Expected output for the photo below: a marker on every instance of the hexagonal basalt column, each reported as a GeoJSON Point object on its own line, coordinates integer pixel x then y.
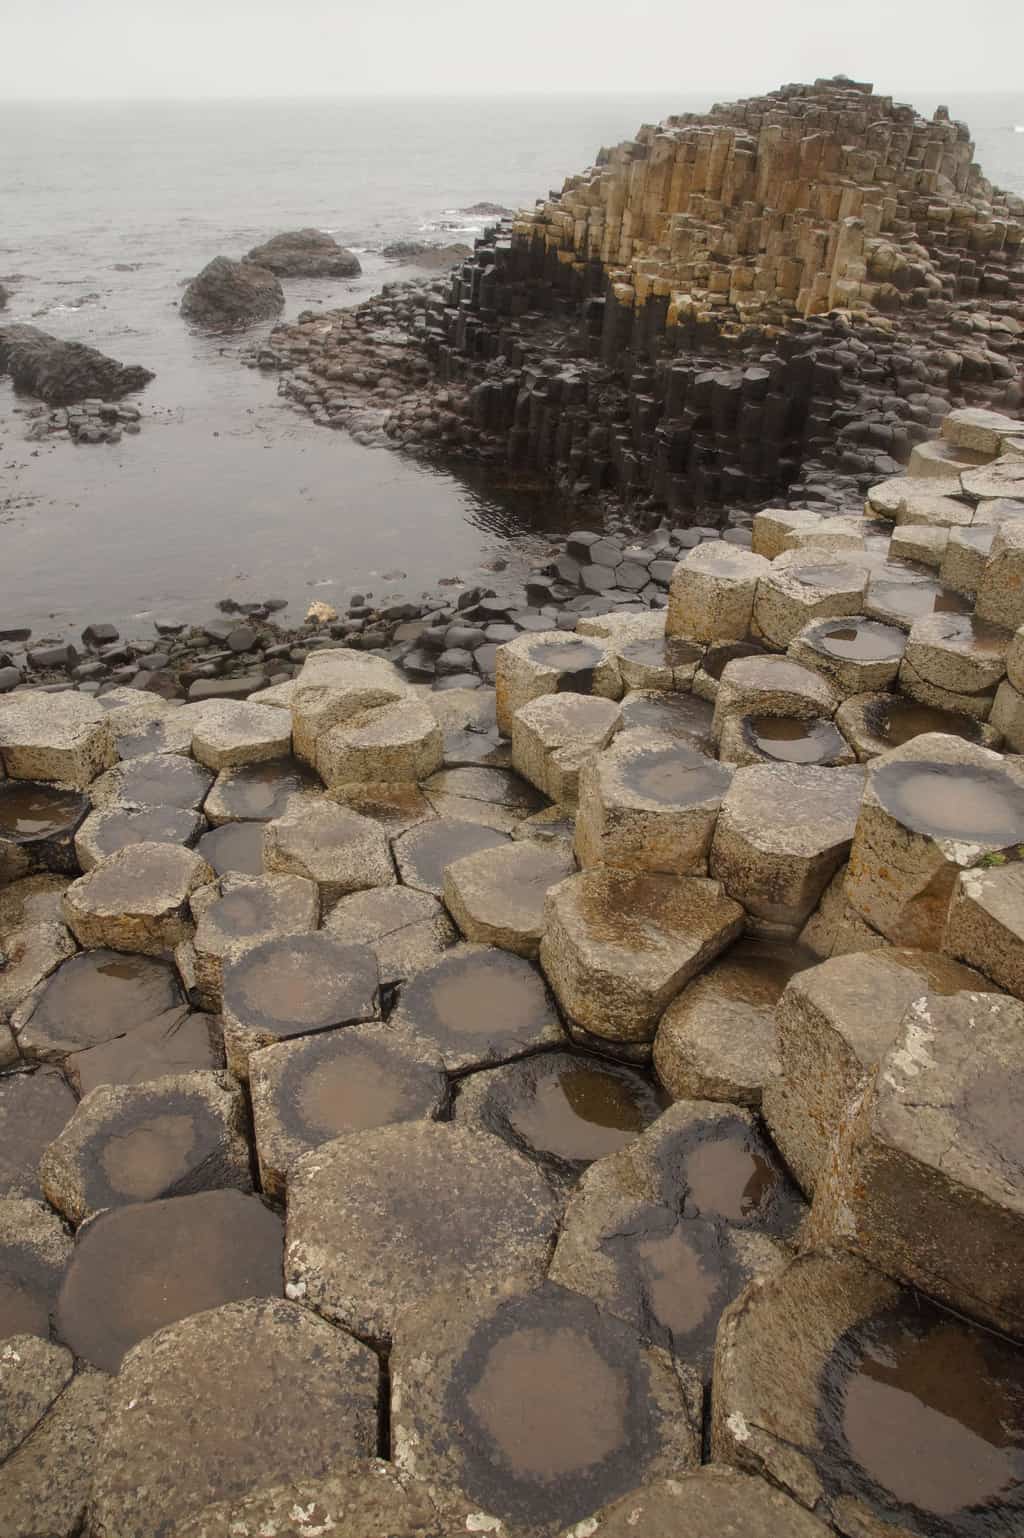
{"type": "Point", "coordinates": [856, 655]}
{"type": "Point", "coordinates": [561, 1109]}
{"type": "Point", "coordinates": [1004, 477]}
{"type": "Point", "coordinates": [334, 686]}
{"type": "Point", "coordinates": [665, 1233]}
{"type": "Point", "coordinates": [964, 558]}
{"type": "Point", "coordinates": [710, 1500]}
{"type": "Point", "coordinates": [877, 723]}
{"type": "Point", "coordinates": [552, 662]}
{"type": "Point", "coordinates": [258, 792]}
{"type": "Point", "coordinates": [920, 543]}
{"type": "Point", "coordinates": [513, 1372]}
{"type": "Point", "coordinates": [390, 743]}
{"type": "Point", "coordinates": [139, 1267]}
{"type": "Point", "coordinates": [933, 1149]}
{"type": "Point", "coordinates": [497, 895]}
{"type": "Point", "coordinates": [783, 740]}
{"type": "Point", "coordinates": [553, 737]}
{"type": "Point", "coordinates": [38, 824]}
{"type": "Point", "coordinates": [137, 899]}
{"type": "Point", "coordinates": [647, 803]}
{"type": "Point", "coordinates": [899, 595]}
{"type": "Point", "coordinates": [424, 853]}
{"type": "Point", "coordinates": [241, 912]}
{"type": "Point", "coordinates": [249, 1394]}
{"type": "Point", "coordinates": [663, 662]}
{"type": "Point", "coordinates": [931, 809]}
{"type": "Point", "coordinates": [34, 1107]}
{"type": "Point", "coordinates": [308, 1092]}
{"type": "Point", "coordinates": [136, 1143]}
{"type": "Point", "coordinates": [684, 717]}
{"type": "Point", "coordinates": [835, 1022]}
{"type": "Point", "coordinates": [92, 999]}
{"type": "Point", "coordinates": [62, 737]}
{"type": "Point", "coordinates": [34, 1252]}
{"type": "Point", "coordinates": [338, 849]}
{"type": "Point", "coordinates": [803, 587]}
{"type": "Point", "coordinates": [954, 662]}
{"type": "Point", "coordinates": [618, 946]}
{"type": "Point", "coordinates": [712, 593]}
{"type": "Point", "coordinates": [916, 499]}
{"type": "Point", "coordinates": [381, 1220]}
{"type": "Point", "coordinates": [240, 733]}
{"type": "Point", "coordinates": [985, 927]}
{"type": "Point", "coordinates": [295, 985]}
{"type": "Point", "coordinates": [881, 1411]}
{"type": "Point", "coordinates": [708, 677]}
{"type": "Point", "coordinates": [783, 831]}
{"type": "Point", "coordinates": [406, 929]}
{"type": "Point", "coordinates": [153, 779]}
{"type": "Point", "coordinates": [772, 686]}
{"type": "Point", "coordinates": [1001, 587]}
{"type": "Point", "coordinates": [479, 1006]}
{"type": "Point", "coordinates": [717, 1040]}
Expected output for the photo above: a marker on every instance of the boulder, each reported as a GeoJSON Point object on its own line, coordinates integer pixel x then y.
{"type": "Point", "coordinates": [227, 295]}
{"type": "Point", "coordinates": [305, 253]}
{"type": "Point", "coordinates": [60, 372]}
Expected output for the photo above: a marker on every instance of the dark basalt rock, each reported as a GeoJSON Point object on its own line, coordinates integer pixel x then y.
{"type": "Point", "coordinates": [61, 372]}
{"type": "Point", "coordinates": [227, 295]}
{"type": "Point", "coordinates": [305, 253]}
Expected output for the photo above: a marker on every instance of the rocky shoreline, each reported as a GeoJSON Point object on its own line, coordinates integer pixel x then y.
{"type": "Point", "coordinates": [543, 1058]}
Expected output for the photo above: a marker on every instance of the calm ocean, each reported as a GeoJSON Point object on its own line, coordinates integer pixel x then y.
{"type": "Point", "coordinates": [105, 209]}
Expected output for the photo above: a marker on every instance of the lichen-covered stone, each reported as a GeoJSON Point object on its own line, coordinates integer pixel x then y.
{"type": "Point", "coordinates": [647, 803]}
{"type": "Point", "coordinates": [772, 686]}
{"type": "Point", "coordinates": [552, 662]}
{"type": "Point", "coordinates": [244, 911]}
{"type": "Point", "coordinates": [239, 732]}
{"type": "Point", "coordinates": [424, 853]}
{"type": "Point", "coordinates": [240, 1396]}
{"type": "Point", "coordinates": [714, 1500]}
{"type": "Point", "coordinates": [62, 737]}
{"type": "Point", "coordinates": [802, 587]}
{"type": "Point", "coordinates": [106, 831]}
{"type": "Point", "coordinates": [137, 899]}
{"type": "Point", "coordinates": [45, 1483]}
{"type": "Point", "coordinates": [34, 1253]}
{"type": "Point", "coordinates": [340, 850]}
{"type": "Point", "coordinates": [856, 655]}
{"type": "Point", "coordinates": [712, 592]}
{"type": "Point", "coordinates": [386, 744]}
{"type": "Point", "coordinates": [930, 809]}
{"type": "Point", "coordinates": [783, 831]}
{"type": "Point", "coordinates": [405, 929]}
{"type": "Point", "coordinates": [34, 1107]}
{"type": "Point", "coordinates": [554, 735]}
{"type": "Point", "coordinates": [497, 896]}
{"type": "Point", "coordinates": [835, 1022]}
{"type": "Point", "coordinates": [618, 946]}
{"type": "Point", "coordinates": [985, 924]}
{"type": "Point", "coordinates": [381, 1220]}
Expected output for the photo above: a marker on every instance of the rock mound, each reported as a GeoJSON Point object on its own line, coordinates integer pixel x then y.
{"type": "Point", "coordinates": [305, 254]}
{"type": "Point", "coordinates": [228, 294]}
{"type": "Point", "coordinates": [423, 254]}
{"type": "Point", "coordinates": [61, 372]}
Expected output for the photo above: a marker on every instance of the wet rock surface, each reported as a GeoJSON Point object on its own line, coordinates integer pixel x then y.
{"type": "Point", "coordinates": [94, 998]}
{"type": "Point", "coordinates": [510, 1373]}
{"type": "Point", "coordinates": [307, 253]}
{"type": "Point", "coordinates": [228, 295]}
{"type": "Point", "coordinates": [61, 372]}
{"type": "Point", "coordinates": [145, 1265]}
{"type": "Point", "coordinates": [381, 1220]}
{"type": "Point", "coordinates": [289, 1399]}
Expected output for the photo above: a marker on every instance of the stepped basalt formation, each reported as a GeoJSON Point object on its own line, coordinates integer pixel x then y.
{"type": "Point", "coordinates": [783, 295]}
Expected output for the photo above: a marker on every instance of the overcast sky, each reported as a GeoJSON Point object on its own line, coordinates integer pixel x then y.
{"type": "Point", "coordinates": [190, 48]}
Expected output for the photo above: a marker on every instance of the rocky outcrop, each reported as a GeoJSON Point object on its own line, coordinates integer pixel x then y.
{"type": "Point", "coordinates": [61, 372]}
{"type": "Point", "coordinates": [305, 254]}
{"type": "Point", "coordinates": [421, 253]}
{"type": "Point", "coordinates": [780, 297]}
{"type": "Point", "coordinates": [228, 295]}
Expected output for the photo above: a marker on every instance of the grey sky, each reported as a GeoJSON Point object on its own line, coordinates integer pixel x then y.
{"type": "Point", "coordinates": [104, 48]}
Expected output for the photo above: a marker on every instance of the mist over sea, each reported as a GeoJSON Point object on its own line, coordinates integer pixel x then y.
{"type": "Point", "coordinates": [106, 208]}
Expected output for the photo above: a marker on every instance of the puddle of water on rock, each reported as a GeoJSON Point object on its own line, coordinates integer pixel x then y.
{"type": "Point", "coordinates": [140, 1267]}
{"type": "Point", "coordinates": [34, 811]}
{"type": "Point", "coordinates": [671, 652]}
{"type": "Point", "coordinates": [480, 996]}
{"type": "Point", "coordinates": [838, 575]}
{"type": "Point", "coordinates": [901, 721]}
{"type": "Point", "coordinates": [795, 742]}
{"type": "Point", "coordinates": [140, 1163]}
{"type": "Point", "coordinates": [101, 994]}
{"type": "Point", "coordinates": [236, 847]}
{"type": "Point", "coordinates": [924, 1411]}
{"type": "Point", "coordinates": [956, 801]}
{"type": "Point", "coordinates": [348, 1093]}
{"type": "Point", "coordinates": [675, 776]}
{"type": "Point", "coordinates": [575, 657]}
{"type": "Point", "coordinates": [861, 640]}
{"type": "Point", "coordinates": [685, 716]}
{"type": "Point", "coordinates": [573, 1110]}
{"type": "Point", "coordinates": [727, 1177]}
{"type": "Point", "coordinates": [179, 1042]}
{"type": "Point", "coordinates": [258, 792]}
{"type": "Point", "coordinates": [915, 600]}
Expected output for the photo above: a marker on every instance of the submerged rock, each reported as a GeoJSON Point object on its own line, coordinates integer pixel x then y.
{"type": "Point", "coordinates": [227, 295]}
{"type": "Point", "coordinates": [305, 253]}
{"type": "Point", "coordinates": [60, 372]}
